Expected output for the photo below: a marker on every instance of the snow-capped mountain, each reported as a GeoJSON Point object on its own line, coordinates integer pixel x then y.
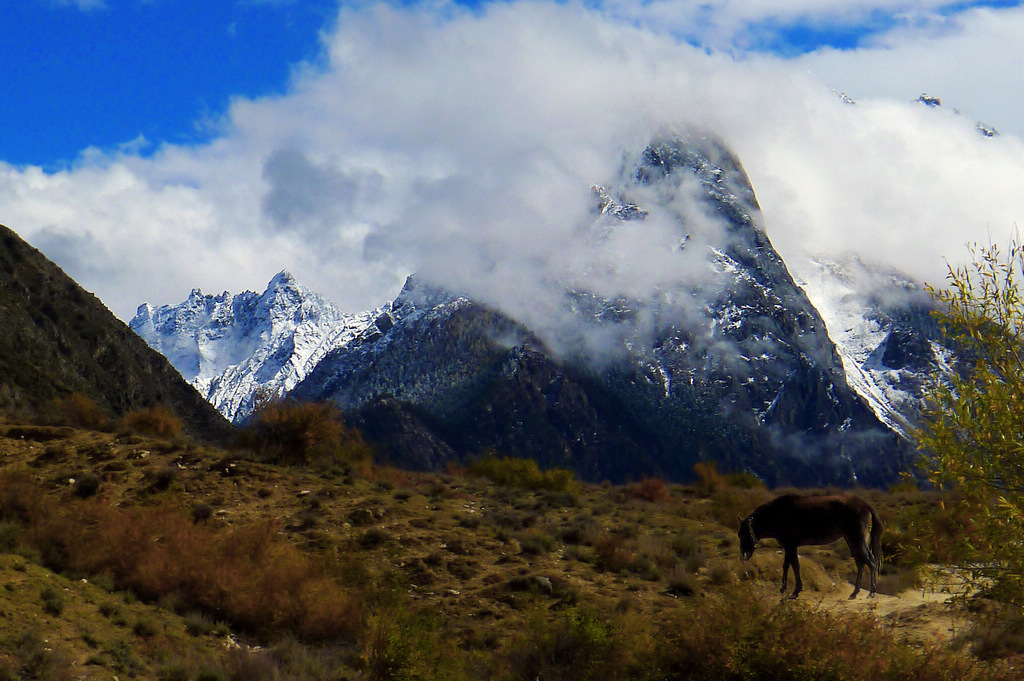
{"type": "Point", "coordinates": [806, 381]}
{"type": "Point", "coordinates": [237, 349]}
{"type": "Point", "coordinates": [737, 368]}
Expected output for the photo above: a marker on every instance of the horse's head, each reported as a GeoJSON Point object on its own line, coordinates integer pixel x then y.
{"type": "Point", "coordinates": [748, 540]}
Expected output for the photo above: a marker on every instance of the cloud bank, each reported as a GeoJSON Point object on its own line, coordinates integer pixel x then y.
{"type": "Point", "coordinates": [463, 145]}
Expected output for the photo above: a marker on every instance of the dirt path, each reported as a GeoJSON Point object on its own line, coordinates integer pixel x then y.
{"type": "Point", "coordinates": [922, 614]}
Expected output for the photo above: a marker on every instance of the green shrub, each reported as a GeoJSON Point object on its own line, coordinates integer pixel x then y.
{"type": "Point", "coordinates": [164, 477]}
{"type": "Point", "coordinates": [10, 535]}
{"type": "Point", "coordinates": [573, 645]}
{"type": "Point", "coordinates": [197, 623]}
{"type": "Point", "coordinates": [536, 542]}
{"type": "Point", "coordinates": [87, 485]}
{"type": "Point", "coordinates": [470, 521]}
{"type": "Point", "coordinates": [373, 538]}
{"type": "Point", "coordinates": [173, 670]}
{"type": "Point", "coordinates": [123, 658]}
{"type": "Point", "coordinates": [145, 628]}
{"type": "Point", "coordinates": [403, 643]}
{"type": "Point", "coordinates": [109, 609]}
{"type": "Point", "coordinates": [53, 601]}
{"type": "Point", "coordinates": [201, 512]}
{"type": "Point", "coordinates": [522, 474]}
{"type": "Point", "coordinates": [743, 480]}
{"type": "Point", "coordinates": [38, 658]}
{"type": "Point", "coordinates": [682, 583]}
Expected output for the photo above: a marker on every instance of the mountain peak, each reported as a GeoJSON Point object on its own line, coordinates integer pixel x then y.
{"type": "Point", "coordinates": [233, 347]}
{"type": "Point", "coordinates": [283, 279]}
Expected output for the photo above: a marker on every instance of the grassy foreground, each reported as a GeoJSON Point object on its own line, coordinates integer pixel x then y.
{"type": "Point", "coordinates": [139, 557]}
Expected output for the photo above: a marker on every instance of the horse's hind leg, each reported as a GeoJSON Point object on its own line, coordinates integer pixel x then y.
{"type": "Point", "coordinates": [873, 565]}
{"type": "Point", "coordinates": [856, 586]}
{"type": "Point", "coordinates": [862, 555]}
{"type": "Point", "coordinates": [791, 559]}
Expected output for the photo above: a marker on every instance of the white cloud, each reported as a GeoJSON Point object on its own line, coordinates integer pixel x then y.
{"type": "Point", "coordinates": [464, 145]}
{"type": "Point", "coordinates": [740, 25]}
{"type": "Point", "coordinates": [972, 61]}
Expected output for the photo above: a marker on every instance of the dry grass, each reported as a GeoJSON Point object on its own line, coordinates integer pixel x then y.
{"type": "Point", "coordinates": [386, 574]}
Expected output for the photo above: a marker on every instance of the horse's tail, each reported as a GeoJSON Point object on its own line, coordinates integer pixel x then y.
{"type": "Point", "coordinates": [877, 527]}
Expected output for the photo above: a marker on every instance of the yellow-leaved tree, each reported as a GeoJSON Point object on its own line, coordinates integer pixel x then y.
{"type": "Point", "coordinates": [972, 431]}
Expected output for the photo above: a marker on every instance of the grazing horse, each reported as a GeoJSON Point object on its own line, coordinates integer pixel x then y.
{"type": "Point", "coordinates": [796, 520]}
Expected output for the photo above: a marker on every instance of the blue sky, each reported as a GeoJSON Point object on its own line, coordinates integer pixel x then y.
{"type": "Point", "coordinates": [104, 75]}
{"type": "Point", "coordinates": [153, 146]}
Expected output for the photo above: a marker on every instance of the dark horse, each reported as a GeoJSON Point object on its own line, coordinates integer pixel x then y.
{"type": "Point", "coordinates": [796, 520]}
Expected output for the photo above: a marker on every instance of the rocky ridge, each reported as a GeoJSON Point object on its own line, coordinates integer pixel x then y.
{"type": "Point", "coordinates": [239, 349]}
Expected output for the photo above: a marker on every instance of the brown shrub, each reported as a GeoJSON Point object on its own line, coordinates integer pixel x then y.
{"type": "Point", "coordinates": [709, 480]}
{"type": "Point", "coordinates": [395, 477]}
{"type": "Point", "coordinates": [155, 421]}
{"type": "Point", "coordinates": [20, 500]}
{"type": "Point", "coordinates": [615, 554]}
{"type": "Point", "coordinates": [250, 575]}
{"type": "Point", "coordinates": [290, 432]}
{"type": "Point", "coordinates": [78, 411]}
{"type": "Point", "coordinates": [649, 489]}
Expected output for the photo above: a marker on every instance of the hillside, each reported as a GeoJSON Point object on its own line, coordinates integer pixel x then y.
{"type": "Point", "coordinates": [57, 339]}
{"type": "Point", "coordinates": [200, 556]}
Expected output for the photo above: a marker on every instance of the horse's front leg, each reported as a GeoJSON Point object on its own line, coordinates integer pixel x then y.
{"type": "Point", "coordinates": [791, 559]}
{"type": "Point", "coordinates": [785, 573]}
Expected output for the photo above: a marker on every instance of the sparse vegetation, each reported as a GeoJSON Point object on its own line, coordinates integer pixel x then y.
{"type": "Point", "coordinates": [453, 576]}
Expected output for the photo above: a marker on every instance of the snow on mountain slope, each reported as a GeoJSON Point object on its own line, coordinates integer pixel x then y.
{"type": "Point", "coordinates": [238, 349]}
{"type": "Point", "coordinates": [880, 323]}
